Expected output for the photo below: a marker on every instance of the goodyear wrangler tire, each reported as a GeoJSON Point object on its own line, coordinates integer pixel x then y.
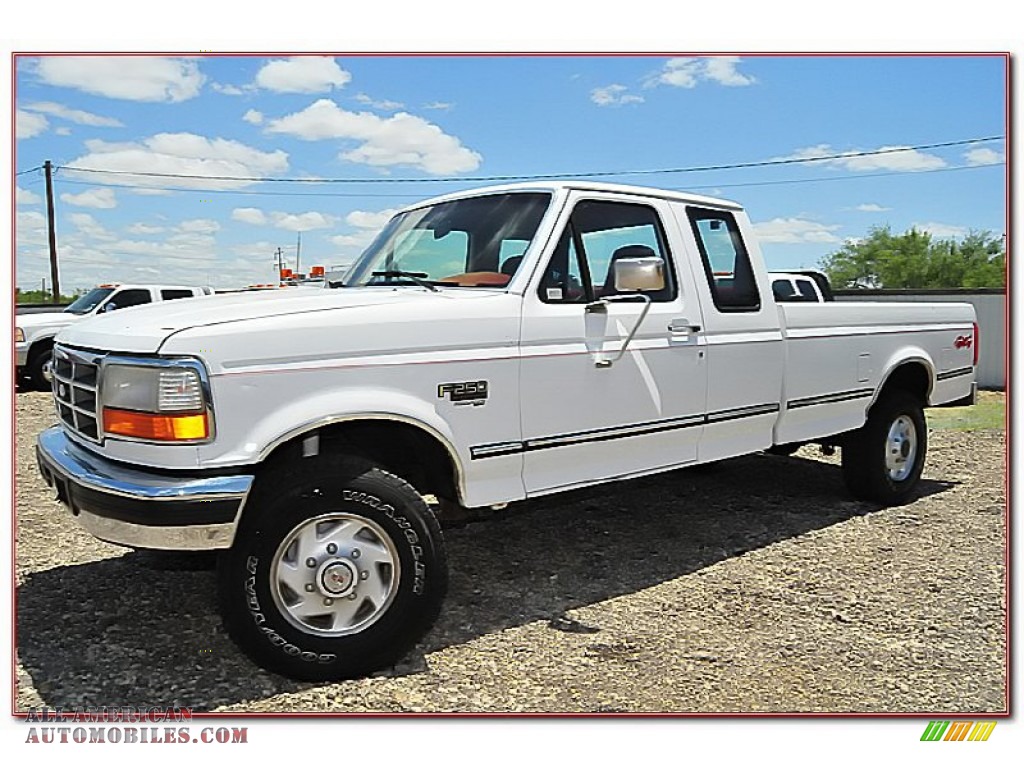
{"type": "Point", "coordinates": [337, 570]}
{"type": "Point", "coordinates": [883, 460]}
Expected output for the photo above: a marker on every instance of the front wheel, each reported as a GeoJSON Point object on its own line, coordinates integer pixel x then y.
{"type": "Point", "coordinates": [39, 368]}
{"type": "Point", "coordinates": [338, 569]}
{"type": "Point", "coordinates": [883, 460]}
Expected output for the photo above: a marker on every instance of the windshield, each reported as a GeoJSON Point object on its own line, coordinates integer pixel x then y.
{"type": "Point", "coordinates": [83, 305]}
{"type": "Point", "coordinates": [475, 242]}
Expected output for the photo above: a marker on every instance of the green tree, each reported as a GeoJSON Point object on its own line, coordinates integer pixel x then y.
{"type": "Point", "coordinates": [40, 297]}
{"type": "Point", "coordinates": [917, 260]}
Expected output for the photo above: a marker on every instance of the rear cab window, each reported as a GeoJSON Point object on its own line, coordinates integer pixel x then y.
{"type": "Point", "coordinates": [725, 260]}
{"type": "Point", "coordinates": [169, 294]}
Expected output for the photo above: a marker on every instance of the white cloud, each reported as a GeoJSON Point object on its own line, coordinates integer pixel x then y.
{"type": "Point", "coordinates": [29, 124]}
{"type": "Point", "coordinates": [613, 95]}
{"type": "Point", "coordinates": [356, 241]}
{"type": "Point", "coordinates": [135, 78]}
{"type": "Point", "coordinates": [203, 226]}
{"type": "Point", "coordinates": [686, 72]}
{"type": "Point", "coordinates": [983, 156]}
{"type": "Point", "coordinates": [722, 70]}
{"type": "Point", "coordinates": [230, 90]}
{"type": "Point", "coordinates": [384, 104]}
{"type": "Point", "coordinates": [30, 227]}
{"type": "Point", "coordinates": [301, 222]}
{"type": "Point", "coordinates": [893, 158]}
{"type": "Point", "coordinates": [253, 116]}
{"type": "Point", "coordinates": [139, 228]}
{"type": "Point", "coordinates": [401, 139]}
{"type": "Point", "coordinates": [936, 229]}
{"type": "Point", "coordinates": [796, 230]}
{"type": "Point", "coordinates": [91, 198]}
{"type": "Point", "coordinates": [871, 208]}
{"type": "Point", "coordinates": [87, 225]}
{"type": "Point", "coordinates": [370, 219]}
{"type": "Point", "coordinates": [179, 153]}
{"type": "Point", "coordinates": [62, 131]}
{"type": "Point", "coordinates": [295, 222]}
{"type": "Point", "coordinates": [26, 197]}
{"type": "Point", "coordinates": [302, 74]}
{"type": "Point", "coordinates": [442, 106]}
{"type": "Point", "coordinates": [249, 216]}
{"type": "Point", "coordinates": [74, 115]}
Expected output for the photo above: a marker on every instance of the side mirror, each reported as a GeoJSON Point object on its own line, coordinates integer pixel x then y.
{"type": "Point", "coordinates": [639, 274]}
{"type": "Point", "coordinates": [108, 307]}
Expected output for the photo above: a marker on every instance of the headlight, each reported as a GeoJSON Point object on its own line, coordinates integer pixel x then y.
{"type": "Point", "coordinates": [19, 335]}
{"type": "Point", "coordinates": [154, 403]}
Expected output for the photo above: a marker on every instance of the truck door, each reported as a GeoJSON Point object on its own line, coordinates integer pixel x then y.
{"type": "Point", "coordinates": [612, 380]}
{"type": "Point", "coordinates": [745, 355]}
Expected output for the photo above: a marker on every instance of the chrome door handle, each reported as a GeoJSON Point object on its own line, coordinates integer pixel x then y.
{"type": "Point", "coordinates": [683, 326]}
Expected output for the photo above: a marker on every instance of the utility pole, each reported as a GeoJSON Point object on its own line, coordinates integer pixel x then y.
{"type": "Point", "coordinates": [298, 247]}
{"type": "Point", "coordinates": [280, 266]}
{"type": "Point", "coordinates": [54, 280]}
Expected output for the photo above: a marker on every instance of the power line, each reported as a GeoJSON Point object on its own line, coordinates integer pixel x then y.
{"type": "Point", "coordinates": [30, 170]}
{"type": "Point", "coordinates": [840, 178]}
{"type": "Point", "coordinates": [394, 195]}
{"type": "Point", "coordinates": [545, 176]}
{"type": "Point", "coordinates": [417, 196]}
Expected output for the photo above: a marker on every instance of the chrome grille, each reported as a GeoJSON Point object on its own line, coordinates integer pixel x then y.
{"type": "Point", "coordinates": [75, 376]}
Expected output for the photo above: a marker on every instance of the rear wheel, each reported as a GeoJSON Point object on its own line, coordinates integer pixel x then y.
{"type": "Point", "coordinates": [339, 568]}
{"type": "Point", "coordinates": [883, 460]}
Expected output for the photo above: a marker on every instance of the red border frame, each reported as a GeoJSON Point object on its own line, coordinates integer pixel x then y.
{"type": "Point", "coordinates": [1005, 55]}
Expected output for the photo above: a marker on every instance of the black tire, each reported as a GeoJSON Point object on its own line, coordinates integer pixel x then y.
{"type": "Point", "coordinates": [349, 493]}
{"type": "Point", "coordinates": [38, 359]}
{"type": "Point", "coordinates": [865, 469]}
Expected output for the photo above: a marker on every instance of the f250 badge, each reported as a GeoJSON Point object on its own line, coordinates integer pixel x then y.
{"type": "Point", "coordinates": [464, 392]}
{"type": "Point", "coordinates": [963, 341]}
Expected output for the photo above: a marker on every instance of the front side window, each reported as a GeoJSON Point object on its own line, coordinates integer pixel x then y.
{"type": "Point", "coordinates": [726, 262]}
{"type": "Point", "coordinates": [473, 242]}
{"type": "Point", "coordinates": [601, 232]}
{"type": "Point", "coordinates": [83, 305]}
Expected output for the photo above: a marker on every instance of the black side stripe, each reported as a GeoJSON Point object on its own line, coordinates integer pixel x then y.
{"type": "Point", "coordinates": [614, 433]}
{"type": "Point", "coordinates": [954, 373]}
{"type": "Point", "coordinates": [835, 397]}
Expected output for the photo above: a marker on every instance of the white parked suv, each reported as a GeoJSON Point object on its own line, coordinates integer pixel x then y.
{"type": "Point", "coordinates": [489, 346]}
{"type": "Point", "coordinates": [34, 332]}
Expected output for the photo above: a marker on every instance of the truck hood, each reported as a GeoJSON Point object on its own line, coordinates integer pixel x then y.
{"type": "Point", "coordinates": [142, 330]}
{"type": "Point", "coordinates": [34, 320]}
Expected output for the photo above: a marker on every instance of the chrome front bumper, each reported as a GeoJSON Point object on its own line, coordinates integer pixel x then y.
{"type": "Point", "coordinates": [141, 508]}
{"type": "Point", "coordinates": [21, 353]}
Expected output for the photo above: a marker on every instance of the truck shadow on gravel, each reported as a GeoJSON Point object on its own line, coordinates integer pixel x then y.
{"type": "Point", "coordinates": [120, 632]}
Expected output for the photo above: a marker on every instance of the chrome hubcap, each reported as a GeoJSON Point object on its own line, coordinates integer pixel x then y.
{"type": "Point", "coordinates": [901, 448]}
{"type": "Point", "coordinates": [48, 371]}
{"type": "Point", "coordinates": [335, 575]}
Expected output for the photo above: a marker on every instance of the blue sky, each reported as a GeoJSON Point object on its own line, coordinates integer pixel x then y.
{"type": "Point", "coordinates": [424, 118]}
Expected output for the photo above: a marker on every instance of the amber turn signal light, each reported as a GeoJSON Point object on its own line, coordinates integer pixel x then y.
{"type": "Point", "coordinates": [153, 426]}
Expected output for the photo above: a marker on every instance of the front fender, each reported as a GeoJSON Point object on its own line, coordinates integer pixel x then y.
{"type": "Point", "coordinates": [275, 425]}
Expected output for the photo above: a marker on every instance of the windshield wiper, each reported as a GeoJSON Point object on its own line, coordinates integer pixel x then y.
{"type": "Point", "coordinates": [416, 277]}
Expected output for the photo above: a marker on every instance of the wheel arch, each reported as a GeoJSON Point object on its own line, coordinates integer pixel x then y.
{"type": "Point", "coordinates": [41, 343]}
{"type": "Point", "coordinates": [913, 373]}
{"type": "Point", "coordinates": [408, 447]}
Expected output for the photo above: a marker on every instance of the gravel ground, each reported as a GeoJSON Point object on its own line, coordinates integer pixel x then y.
{"type": "Point", "coordinates": [752, 586]}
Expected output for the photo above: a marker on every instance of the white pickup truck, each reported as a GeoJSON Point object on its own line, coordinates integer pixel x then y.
{"type": "Point", "coordinates": [489, 346]}
{"type": "Point", "coordinates": [34, 332]}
